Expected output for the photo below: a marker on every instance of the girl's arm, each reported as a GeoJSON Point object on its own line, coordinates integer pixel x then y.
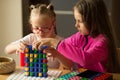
{"type": "Point", "coordinates": [15, 48]}
{"type": "Point", "coordinates": [11, 48]}
{"type": "Point", "coordinates": [67, 63]}
{"type": "Point", "coordinates": [90, 56]}
{"type": "Point", "coordinates": [19, 45]}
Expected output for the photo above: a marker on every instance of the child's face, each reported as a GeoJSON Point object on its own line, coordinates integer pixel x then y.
{"type": "Point", "coordinates": [42, 25]}
{"type": "Point", "coordinates": [79, 23]}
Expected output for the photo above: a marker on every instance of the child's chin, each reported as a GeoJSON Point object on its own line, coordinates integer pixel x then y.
{"type": "Point", "coordinates": [41, 35]}
{"type": "Point", "coordinates": [81, 33]}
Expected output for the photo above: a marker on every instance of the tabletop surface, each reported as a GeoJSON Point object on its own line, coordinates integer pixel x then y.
{"type": "Point", "coordinates": [116, 76]}
{"type": "Point", "coordinates": [5, 76]}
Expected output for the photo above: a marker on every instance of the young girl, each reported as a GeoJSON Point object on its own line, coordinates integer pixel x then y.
{"type": "Point", "coordinates": [92, 47]}
{"type": "Point", "coordinates": [43, 22]}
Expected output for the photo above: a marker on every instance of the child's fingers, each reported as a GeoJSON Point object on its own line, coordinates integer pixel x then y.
{"type": "Point", "coordinates": [35, 45]}
{"type": "Point", "coordinates": [50, 50]}
{"type": "Point", "coordinates": [23, 45]}
{"type": "Point", "coordinates": [49, 55]}
{"type": "Point", "coordinates": [41, 46]}
{"type": "Point", "coordinates": [19, 50]}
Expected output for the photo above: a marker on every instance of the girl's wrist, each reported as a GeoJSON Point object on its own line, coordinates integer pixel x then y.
{"type": "Point", "coordinates": [58, 55]}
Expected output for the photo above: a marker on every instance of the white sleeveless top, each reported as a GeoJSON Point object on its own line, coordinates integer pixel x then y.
{"type": "Point", "coordinates": [30, 38]}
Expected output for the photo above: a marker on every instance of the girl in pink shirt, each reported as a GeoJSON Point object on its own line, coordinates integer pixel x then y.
{"type": "Point", "coordinates": [92, 47]}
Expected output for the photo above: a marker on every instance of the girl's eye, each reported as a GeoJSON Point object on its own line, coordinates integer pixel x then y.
{"type": "Point", "coordinates": [80, 21]}
{"type": "Point", "coordinates": [36, 28]}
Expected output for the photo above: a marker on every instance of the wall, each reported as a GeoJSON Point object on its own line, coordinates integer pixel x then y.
{"type": "Point", "coordinates": [64, 16]}
{"type": "Point", "coordinates": [10, 24]}
{"type": "Point", "coordinates": [116, 20]}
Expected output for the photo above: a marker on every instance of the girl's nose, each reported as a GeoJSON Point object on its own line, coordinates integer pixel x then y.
{"type": "Point", "coordinates": [76, 25]}
{"type": "Point", "coordinates": [40, 29]}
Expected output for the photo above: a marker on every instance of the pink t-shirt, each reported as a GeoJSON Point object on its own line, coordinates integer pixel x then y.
{"type": "Point", "coordinates": [87, 52]}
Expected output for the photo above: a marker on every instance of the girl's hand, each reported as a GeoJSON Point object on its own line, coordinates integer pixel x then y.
{"type": "Point", "coordinates": [21, 47]}
{"type": "Point", "coordinates": [51, 46]}
{"type": "Point", "coordinates": [51, 52]}
{"type": "Point", "coordinates": [46, 41]}
{"type": "Point", "coordinates": [37, 45]}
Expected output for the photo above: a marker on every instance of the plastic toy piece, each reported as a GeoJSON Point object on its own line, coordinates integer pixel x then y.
{"type": "Point", "coordinates": [68, 76]}
{"type": "Point", "coordinates": [22, 59]}
{"type": "Point", "coordinates": [86, 75]}
{"type": "Point", "coordinates": [35, 62]}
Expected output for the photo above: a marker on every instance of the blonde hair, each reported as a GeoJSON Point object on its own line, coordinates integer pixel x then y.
{"type": "Point", "coordinates": [42, 9]}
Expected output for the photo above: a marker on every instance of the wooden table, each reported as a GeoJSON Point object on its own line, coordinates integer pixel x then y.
{"type": "Point", "coordinates": [116, 76]}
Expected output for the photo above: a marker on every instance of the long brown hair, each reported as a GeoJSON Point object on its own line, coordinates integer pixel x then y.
{"type": "Point", "coordinates": [96, 19]}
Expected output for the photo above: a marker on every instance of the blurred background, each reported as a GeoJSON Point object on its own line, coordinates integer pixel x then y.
{"type": "Point", "coordinates": [14, 16]}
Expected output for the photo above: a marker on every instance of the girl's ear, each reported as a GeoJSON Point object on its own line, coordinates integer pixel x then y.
{"type": "Point", "coordinates": [54, 22]}
{"type": "Point", "coordinates": [54, 26]}
{"type": "Point", "coordinates": [32, 29]}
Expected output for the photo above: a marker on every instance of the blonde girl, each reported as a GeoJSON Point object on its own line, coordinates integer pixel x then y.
{"type": "Point", "coordinates": [43, 25]}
